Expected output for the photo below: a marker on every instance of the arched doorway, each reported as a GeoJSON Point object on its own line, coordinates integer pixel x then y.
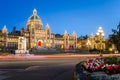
{"type": "Point", "coordinates": [39, 43]}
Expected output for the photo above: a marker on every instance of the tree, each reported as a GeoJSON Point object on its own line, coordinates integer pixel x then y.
{"type": "Point", "coordinates": [115, 37]}
{"type": "Point", "coordinates": [83, 37]}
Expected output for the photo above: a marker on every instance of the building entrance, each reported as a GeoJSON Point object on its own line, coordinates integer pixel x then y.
{"type": "Point", "coordinates": [39, 43]}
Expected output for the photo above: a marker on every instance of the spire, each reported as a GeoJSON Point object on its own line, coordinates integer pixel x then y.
{"type": "Point", "coordinates": [65, 32]}
{"type": "Point", "coordinates": [4, 27]}
{"type": "Point", "coordinates": [100, 31]}
{"type": "Point", "coordinates": [35, 12]}
{"type": "Point", "coordinates": [4, 30]}
{"type": "Point", "coordinates": [100, 28]}
{"type": "Point", "coordinates": [47, 26]}
{"type": "Point", "coordinates": [74, 33]}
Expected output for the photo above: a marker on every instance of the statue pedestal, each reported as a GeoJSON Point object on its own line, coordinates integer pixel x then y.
{"type": "Point", "coordinates": [21, 51]}
{"type": "Point", "coordinates": [22, 46]}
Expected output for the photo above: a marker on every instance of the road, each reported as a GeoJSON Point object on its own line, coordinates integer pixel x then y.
{"type": "Point", "coordinates": [43, 69]}
{"type": "Point", "coordinates": [36, 57]}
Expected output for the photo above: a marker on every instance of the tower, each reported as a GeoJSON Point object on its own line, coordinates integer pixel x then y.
{"type": "Point", "coordinates": [48, 37]}
{"type": "Point", "coordinates": [74, 36]}
{"type": "Point", "coordinates": [100, 39]}
{"type": "Point", "coordinates": [66, 40]}
{"type": "Point", "coordinates": [33, 25]}
{"type": "Point", "coordinates": [5, 34]}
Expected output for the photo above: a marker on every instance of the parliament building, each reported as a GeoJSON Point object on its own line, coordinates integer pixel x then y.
{"type": "Point", "coordinates": [36, 36]}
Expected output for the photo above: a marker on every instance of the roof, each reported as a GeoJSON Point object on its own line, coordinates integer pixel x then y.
{"type": "Point", "coordinates": [16, 33]}
{"type": "Point", "coordinates": [58, 36]}
{"type": "Point", "coordinates": [34, 15]}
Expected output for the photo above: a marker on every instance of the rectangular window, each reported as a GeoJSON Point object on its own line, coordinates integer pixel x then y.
{"type": "Point", "coordinates": [32, 30]}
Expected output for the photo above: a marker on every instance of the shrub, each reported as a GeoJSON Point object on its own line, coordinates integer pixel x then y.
{"type": "Point", "coordinates": [112, 60]}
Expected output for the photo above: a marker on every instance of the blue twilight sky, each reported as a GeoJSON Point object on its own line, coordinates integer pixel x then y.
{"type": "Point", "coordinates": [82, 16]}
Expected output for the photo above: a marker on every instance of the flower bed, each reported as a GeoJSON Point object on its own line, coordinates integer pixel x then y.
{"type": "Point", "coordinates": [107, 68]}
{"type": "Point", "coordinates": [110, 65]}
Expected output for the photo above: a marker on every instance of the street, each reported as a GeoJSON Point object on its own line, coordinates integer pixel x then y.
{"type": "Point", "coordinates": [43, 69]}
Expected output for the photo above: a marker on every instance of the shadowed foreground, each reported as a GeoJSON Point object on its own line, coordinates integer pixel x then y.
{"type": "Point", "coordinates": [48, 69]}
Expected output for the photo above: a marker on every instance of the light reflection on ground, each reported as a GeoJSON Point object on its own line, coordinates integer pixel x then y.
{"type": "Point", "coordinates": [35, 57]}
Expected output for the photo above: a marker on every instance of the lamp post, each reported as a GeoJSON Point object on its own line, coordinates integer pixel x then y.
{"type": "Point", "coordinates": [100, 35]}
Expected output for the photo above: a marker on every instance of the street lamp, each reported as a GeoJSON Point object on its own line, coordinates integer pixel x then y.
{"type": "Point", "coordinates": [100, 35]}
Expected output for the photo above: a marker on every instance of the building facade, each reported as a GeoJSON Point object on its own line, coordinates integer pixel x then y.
{"type": "Point", "coordinates": [96, 41]}
{"type": "Point", "coordinates": [36, 36]}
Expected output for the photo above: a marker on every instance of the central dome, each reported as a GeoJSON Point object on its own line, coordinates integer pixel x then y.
{"type": "Point", "coordinates": [34, 16]}
{"type": "Point", "coordinates": [34, 21]}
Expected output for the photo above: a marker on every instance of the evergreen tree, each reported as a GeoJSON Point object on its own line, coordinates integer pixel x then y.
{"type": "Point", "coordinates": [115, 37]}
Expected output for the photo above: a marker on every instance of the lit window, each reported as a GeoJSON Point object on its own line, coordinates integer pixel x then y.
{"type": "Point", "coordinates": [32, 30]}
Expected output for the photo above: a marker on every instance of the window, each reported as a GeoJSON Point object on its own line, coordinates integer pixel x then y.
{"type": "Point", "coordinates": [32, 30]}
